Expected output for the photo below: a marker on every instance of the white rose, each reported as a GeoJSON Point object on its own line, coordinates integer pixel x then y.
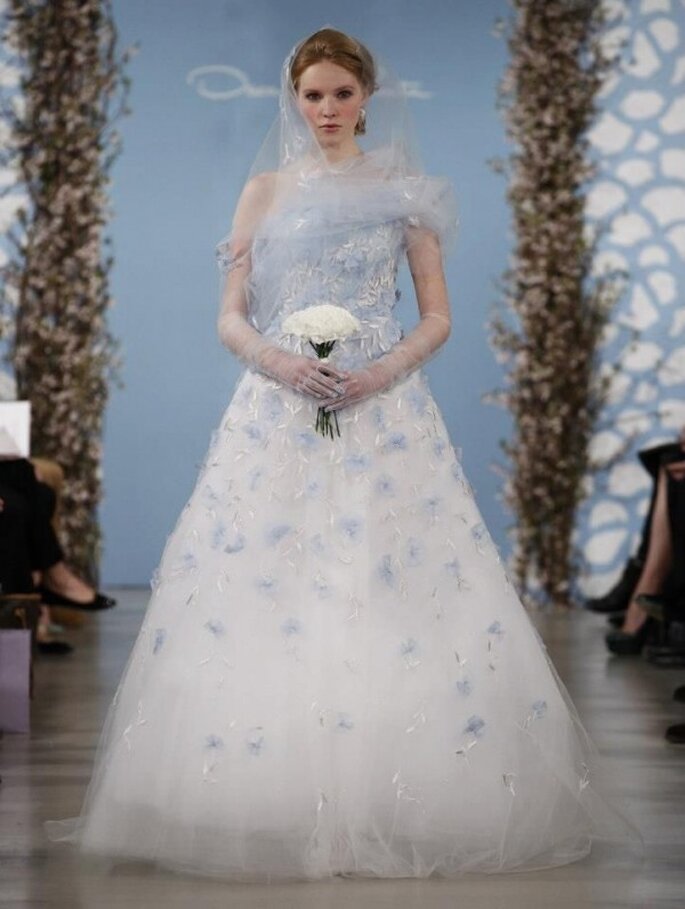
{"type": "Point", "coordinates": [324, 322]}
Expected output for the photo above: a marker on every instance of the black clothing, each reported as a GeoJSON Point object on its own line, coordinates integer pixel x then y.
{"type": "Point", "coordinates": [27, 539]}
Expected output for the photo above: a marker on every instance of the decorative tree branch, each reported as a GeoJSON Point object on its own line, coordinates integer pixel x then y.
{"type": "Point", "coordinates": [54, 289]}
{"type": "Point", "coordinates": [550, 327]}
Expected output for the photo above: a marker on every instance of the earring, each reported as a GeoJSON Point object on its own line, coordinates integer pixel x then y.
{"type": "Point", "coordinates": [360, 128]}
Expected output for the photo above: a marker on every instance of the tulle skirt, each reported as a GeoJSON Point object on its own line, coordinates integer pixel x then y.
{"type": "Point", "coordinates": [334, 673]}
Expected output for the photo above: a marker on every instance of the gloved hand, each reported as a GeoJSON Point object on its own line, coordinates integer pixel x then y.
{"type": "Point", "coordinates": [307, 375]}
{"type": "Point", "coordinates": [406, 356]}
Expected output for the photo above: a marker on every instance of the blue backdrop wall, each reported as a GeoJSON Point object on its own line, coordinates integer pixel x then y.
{"type": "Point", "coordinates": [187, 146]}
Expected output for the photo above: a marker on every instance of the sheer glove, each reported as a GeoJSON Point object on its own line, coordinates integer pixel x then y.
{"type": "Point", "coordinates": [307, 375]}
{"type": "Point", "coordinates": [405, 357]}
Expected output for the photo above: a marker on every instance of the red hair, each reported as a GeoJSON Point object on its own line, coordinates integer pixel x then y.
{"type": "Point", "coordinates": [341, 49]}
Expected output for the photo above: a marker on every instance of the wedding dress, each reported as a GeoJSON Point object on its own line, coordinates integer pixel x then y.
{"type": "Point", "coordinates": [334, 673]}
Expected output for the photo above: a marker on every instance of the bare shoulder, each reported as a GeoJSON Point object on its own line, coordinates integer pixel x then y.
{"type": "Point", "coordinates": [258, 191]}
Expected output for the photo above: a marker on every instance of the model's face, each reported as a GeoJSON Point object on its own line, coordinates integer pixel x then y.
{"type": "Point", "coordinates": [330, 98]}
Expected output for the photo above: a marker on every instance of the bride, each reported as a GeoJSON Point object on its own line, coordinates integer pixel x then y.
{"type": "Point", "coordinates": [334, 674]}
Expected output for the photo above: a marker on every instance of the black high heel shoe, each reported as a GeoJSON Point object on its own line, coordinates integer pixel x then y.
{"type": "Point", "coordinates": [661, 608]}
{"type": "Point", "coordinates": [59, 648]}
{"type": "Point", "coordinates": [52, 598]}
{"type": "Point", "coordinates": [625, 643]}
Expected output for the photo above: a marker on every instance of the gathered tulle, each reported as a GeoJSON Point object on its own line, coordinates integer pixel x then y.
{"type": "Point", "coordinates": [333, 237]}
{"type": "Point", "coordinates": [334, 674]}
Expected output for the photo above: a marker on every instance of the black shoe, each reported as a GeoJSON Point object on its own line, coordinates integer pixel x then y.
{"type": "Point", "coordinates": [661, 608]}
{"type": "Point", "coordinates": [618, 597]}
{"type": "Point", "coordinates": [676, 734]}
{"type": "Point", "coordinates": [52, 598]}
{"type": "Point", "coordinates": [679, 694]}
{"type": "Point", "coordinates": [624, 643]}
{"type": "Point", "coordinates": [615, 619]}
{"type": "Point", "coordinates": [56, 647]}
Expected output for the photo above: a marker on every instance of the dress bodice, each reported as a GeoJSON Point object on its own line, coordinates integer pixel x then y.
{"type": "Point", "coordinates": [338, 238]}
{"type": "Point", "coordinates": [354, 267]}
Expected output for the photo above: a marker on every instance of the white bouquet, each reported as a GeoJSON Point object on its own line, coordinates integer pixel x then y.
{"type": "Point", "coordinates": [322, 325]}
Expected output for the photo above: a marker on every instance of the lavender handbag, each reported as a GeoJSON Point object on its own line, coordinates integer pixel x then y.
{"type": "Point", "coordinates": [19, 614]}
{"type": "Point", "coordinates": [15, 679]}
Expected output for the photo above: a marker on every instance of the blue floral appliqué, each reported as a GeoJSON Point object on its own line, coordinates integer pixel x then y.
{"type": "Point", "coordinates": [418, 400]}
{"type": "Point", "coordinates": [254, 477]}
{"type": "Point", "coordinates": [344, 722]}
{"type": "Point", "coordinates": [218, 534]}
{"type": "Point", "coordinates": [464, 687]}
{"type": "Point", "coordinates": [312, 488]}
{"type": "Point", "coordinates": [253, 430]}
{"type": "Point", "coordinates": [479, 533]}
{"type": "Point", "coordinates": [439, 446]}
{"type": "Point", "coordinates": [351, 527]}
{"type": "Point", "coordinates": [188, 562]}
{"type": "Point", "coordinates": [255, 741]}
{"type": "Point", "coordinates": [272, 405]}
{"type": "Point", "coordinates": [210, 494]}
{"type": "Point", "coordinates": [350, 256]}
{"type": "Point", "coordinates": [266, 583]}
{"type": "Point", "coordinates": [235, 543]}
{"type": "Point", "coordinates": [409, 647]}
{"type": "Point", "coordinates": [414, 552]}
{"type": "Point", "coordinates": [539, 709]}
{"type": "Point", "coordinates": [386, 570]}
{"type": "Point", "coordinates": [216, 626]}
{"type": "Point", "coordinates": [431, 505]}
{"type": "Point", "coordinates": [396, 441]}
{"type": "Point", "coordinates": [214, 741]}
{"type": "Point", "coordinates": [475, 725]}
{"type": "Point", "coordinates": [306, 438]}
{"type": "Point", "coordinates": [316, 544]}
{"type": "Point", "coordinates": [322, 586]}
{"type": "Point", "coordinates": [378, 417]}
{"type": "Point", "coordinates": [357, 462]}
{"type": "Point", "coordinates": [453, 567]}
{"type": "Point", "coordinates": [159, 639]}
{"type": "Point", "coordinates": [385, 485]}
{"type": "Point", "coordinates": [291, 626]}
{"type": "Point", "coordinates": [276, 533]}
{"type": "Point", "coordinates": [496, 629]}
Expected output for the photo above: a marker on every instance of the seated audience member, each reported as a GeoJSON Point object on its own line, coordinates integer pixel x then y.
{"type": "Point", "coordinates": [652, 586]}
{"type": "Point", "coordinates": [31, 557]}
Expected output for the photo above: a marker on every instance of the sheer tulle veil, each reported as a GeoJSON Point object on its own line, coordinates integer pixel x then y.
{"type": "Point", "coordinates": [386, 182]}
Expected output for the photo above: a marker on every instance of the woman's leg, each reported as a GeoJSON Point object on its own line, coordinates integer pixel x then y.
{"type": "Point", "coordinates": [676, 516]}
{"type": "Point", "coordinates": [61, 579]}
{"type": "Point", "coordinates": [658, 560]}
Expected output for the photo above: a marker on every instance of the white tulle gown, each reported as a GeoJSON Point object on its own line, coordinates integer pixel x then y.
{"type": "Point", "coordinates": [334, 673]}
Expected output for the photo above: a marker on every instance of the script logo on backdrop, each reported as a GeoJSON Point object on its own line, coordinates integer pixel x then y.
{"type": "Point", "coordinates": [235, 83]}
